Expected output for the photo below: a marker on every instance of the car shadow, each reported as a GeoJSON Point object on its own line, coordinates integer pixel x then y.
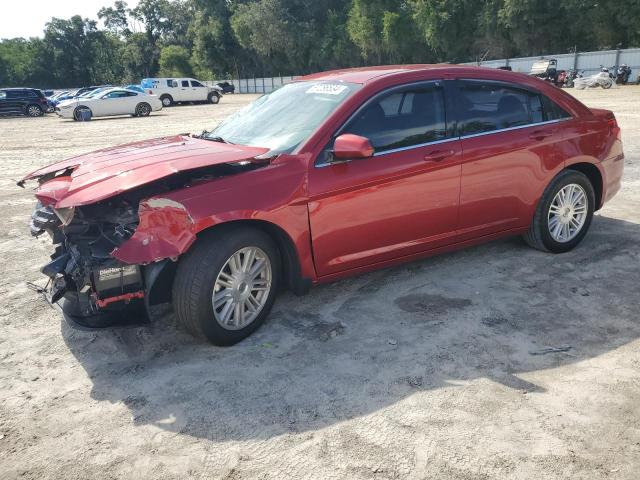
{"type": "Point", "coordinates": [348, 349]}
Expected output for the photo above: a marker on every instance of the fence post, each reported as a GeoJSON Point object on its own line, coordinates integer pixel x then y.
{"type": "Point", "coordinates": [575, 60]}
{"type": "Point", "coordinates": [617, 59]}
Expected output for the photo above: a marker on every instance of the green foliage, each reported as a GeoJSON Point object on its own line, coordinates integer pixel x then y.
{"type": "Point", "coordinates": [224, 38]}
{"type": "Point", "coordinates": [174, 62]}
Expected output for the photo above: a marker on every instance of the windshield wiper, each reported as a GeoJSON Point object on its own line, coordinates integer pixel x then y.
{"type": "Point", "coordinates": [205, 136]}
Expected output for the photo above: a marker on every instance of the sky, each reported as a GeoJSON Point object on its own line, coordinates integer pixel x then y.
{"type": "Point", "coordinates": [26, 18]}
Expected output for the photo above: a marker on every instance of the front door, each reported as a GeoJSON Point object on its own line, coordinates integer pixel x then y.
{"type": "Point", "coordinates": [199, 91]}
{"type": "Point", "coordinates": [401, 201]}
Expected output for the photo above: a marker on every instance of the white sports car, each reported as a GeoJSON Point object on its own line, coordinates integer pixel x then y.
{"type": "Point", "coordinates": [107, 102]}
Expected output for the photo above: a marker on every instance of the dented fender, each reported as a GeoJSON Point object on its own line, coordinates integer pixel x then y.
{"type": "Point", "coordinates": [165, 230]}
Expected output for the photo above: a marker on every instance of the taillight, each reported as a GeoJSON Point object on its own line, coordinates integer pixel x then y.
{"type": "Point", "coordinates": [150, 92]}
{"type": "Point", "coordinates": [613, 126]}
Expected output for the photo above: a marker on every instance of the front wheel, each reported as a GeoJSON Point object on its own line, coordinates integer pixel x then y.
{"type": "Point", "coordinates": [225, 286]}
{"type": "Point", "coordinates": [214, 98]}
{"type": "Point", "coordinates": [563, 214]}
{"type": "Point", "coordinates": [607, 84]}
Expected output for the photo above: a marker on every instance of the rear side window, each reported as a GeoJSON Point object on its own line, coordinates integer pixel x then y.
{"type": "Point", "coordinates": [486, 106]}
{"type": "Point", "coordinates": [552, 111]}
{"type": "Point", "coordinates": [172, 83]}
{"type": "Point", "coordinates": [15, 94]}
{"type": "Point", "coordinates": [405, 118]}
{"type": "Point", "coordinates": [185, 83]}
{"type": "Point", "coordinates": [3, 95]}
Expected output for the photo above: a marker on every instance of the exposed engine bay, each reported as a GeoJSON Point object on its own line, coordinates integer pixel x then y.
{"type": "Point", "coordinates": [84, 270]}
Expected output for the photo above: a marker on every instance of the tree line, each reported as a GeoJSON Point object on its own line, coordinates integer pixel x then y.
{"type": "Point", "coordinates": [243, 38]}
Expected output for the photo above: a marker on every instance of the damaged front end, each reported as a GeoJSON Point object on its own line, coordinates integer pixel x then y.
{"type": "Point", "coordinates": [82, 270]}
{"type": "Point", "coordinates": [116, 230]}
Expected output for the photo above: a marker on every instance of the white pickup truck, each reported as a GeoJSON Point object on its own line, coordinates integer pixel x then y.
{"type": "Point", "coordinates": [177, 90]}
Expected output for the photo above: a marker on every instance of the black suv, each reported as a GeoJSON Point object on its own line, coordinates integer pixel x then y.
{"type": "Point", "coordinates": [22, 101]}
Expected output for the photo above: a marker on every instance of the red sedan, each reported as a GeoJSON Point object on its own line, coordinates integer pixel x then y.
{"type": "Point", "coordinates": [335, 174]}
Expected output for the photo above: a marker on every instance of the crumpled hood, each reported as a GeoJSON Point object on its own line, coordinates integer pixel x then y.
{"type": "Point", "coordinates": [110, 171]}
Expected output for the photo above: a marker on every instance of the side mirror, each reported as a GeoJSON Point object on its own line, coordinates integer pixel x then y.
{"type": "Point", "coordinates": [349, 146]}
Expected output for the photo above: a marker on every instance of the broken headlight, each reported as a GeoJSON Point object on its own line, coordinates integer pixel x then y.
{"type": "Point", "coordinates": [65, 214]}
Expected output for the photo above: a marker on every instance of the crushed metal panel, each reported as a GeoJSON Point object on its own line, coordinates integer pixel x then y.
{"type": "Point", "coordinates": [165, 230]}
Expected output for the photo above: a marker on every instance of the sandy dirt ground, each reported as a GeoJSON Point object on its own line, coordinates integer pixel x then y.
{"type": "Point", "coordinates": [494, 362]}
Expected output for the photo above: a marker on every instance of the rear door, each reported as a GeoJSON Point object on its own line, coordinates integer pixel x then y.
{"type": "Point", "coordinates": [509, 150]}
{"type": "Point", "coordinates": [401, 201]}
{"type": "Point", "coordinates": [15, 102]}
{"type": "Point", "coordinates": [186, 94]}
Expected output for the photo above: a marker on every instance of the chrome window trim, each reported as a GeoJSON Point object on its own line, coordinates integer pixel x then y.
{"type": "Point", "coordinates": [548, 122]}
{"type": "Point", "coordinates": [411, 147]}
{"type": "Point", "coordinates": [446, 140]}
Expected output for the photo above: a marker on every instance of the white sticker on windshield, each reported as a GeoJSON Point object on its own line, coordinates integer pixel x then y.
{"type": "Point", "coordinates": [327, 88]}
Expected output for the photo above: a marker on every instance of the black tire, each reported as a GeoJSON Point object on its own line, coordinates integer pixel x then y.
{"type": "Point", "coordinates": [196, 276]}
{"type": "Point", "coordinates": [33, 110]}
{"type": "Point", "coordinates": [607, 85]}
{"type": "Point", "coordinates": [76, 113]}
{"type": "Point", "coordinates": [214, 98]}
{"type": "Point", "coordinates": [539, 236]}
{"type": "Point", "coordinates": [167, 100]}
{"type": "Point", "coordinates": [143, 109]}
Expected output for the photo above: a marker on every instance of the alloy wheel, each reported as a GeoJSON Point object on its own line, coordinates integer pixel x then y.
{"type": "Point", "coordinates": [567, 213]}
{"type": "Point", "coordinates": [34, 111]}
{"type": "Point", "coordinates": [242, 288]}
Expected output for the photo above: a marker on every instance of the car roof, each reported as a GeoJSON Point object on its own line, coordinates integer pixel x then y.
{"type": "Point", "coordinates": [364, 75]}
{"type": "Point", "coordinates": [13, 89]}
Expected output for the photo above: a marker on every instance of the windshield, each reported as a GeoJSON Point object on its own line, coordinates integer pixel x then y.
{"type": "Point", "coordinates": [281, 120]}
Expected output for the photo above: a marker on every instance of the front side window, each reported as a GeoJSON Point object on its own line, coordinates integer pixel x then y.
{"type": "Point", "coordinates": [118, 94]}
{"type": "Point", "coordinates": [411, 116]}
{"type": "Point", "coordinates": [196, 84]}
{"type": "Point", "coordinates": [281, 120]}
{"type": "Point", "coordinates": [485, 106]}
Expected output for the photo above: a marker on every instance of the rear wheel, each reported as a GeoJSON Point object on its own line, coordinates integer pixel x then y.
{"type": "Point", "coordinates": [143, 110]}
{"type": "Point", "coordinates": [564, 213]}
{"type": "Point", "coordinates": [607, 84]}
{"type": "Point", "coordinates": [34, 111]}
{"type": "Point", "coordinates": [225, 286]}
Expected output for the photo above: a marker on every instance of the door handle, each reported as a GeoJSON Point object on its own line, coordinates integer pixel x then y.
{"type": "Point", "coordinates": [438, 155]}
{"type": "Point", "coordinates": [540, 135]}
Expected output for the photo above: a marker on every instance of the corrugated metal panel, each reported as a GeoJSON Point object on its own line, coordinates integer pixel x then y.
{"type": "Point", "coordinates": [589, 62]}
{"type": "Point", "coordinates": [631, 57]}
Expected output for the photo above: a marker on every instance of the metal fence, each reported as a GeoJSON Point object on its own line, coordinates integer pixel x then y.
{"type": "Point", "coordinates": [589, 62]}
{"type": "Point", "coordinates": [255, 85]}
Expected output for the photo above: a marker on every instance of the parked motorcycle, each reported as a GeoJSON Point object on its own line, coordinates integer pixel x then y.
{"type": "Point", "coordinates": [623, 74]}
{"type": "Point", "coordinates": [602, 79]}
{"type": "Point", "coordinates": [570, 77]}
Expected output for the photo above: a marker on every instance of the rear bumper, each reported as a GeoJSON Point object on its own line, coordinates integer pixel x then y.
{"type": "Point", "coordinates": [613, 169]}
